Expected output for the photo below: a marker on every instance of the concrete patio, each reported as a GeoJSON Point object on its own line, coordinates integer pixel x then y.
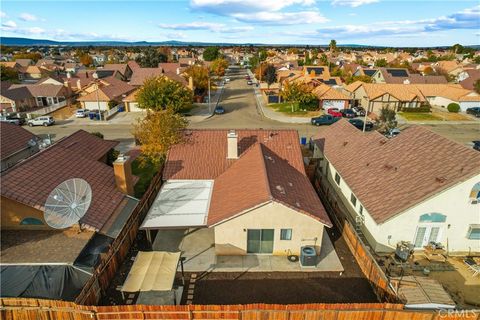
{"type": "Point", "coordinates": [197, 246]}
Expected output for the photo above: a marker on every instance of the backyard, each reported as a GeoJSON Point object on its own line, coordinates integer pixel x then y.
{"type": "Point", "coordinates": [145, 172]}
{"type": "Point", "coordinates": [435, 115]}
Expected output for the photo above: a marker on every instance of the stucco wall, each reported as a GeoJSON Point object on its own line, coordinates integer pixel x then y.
{"type": "Point", "coordinates": [14, 212]}
{"type": "Point", "coordinates": [92, 105]}
{"type": "Point", "coordinates": [231, 236]}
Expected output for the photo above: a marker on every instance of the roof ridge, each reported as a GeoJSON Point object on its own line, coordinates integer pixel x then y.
{"type": "Point", "coordinates": [265, 172]}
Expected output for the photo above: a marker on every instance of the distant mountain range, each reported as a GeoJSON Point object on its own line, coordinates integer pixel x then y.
{"type": "Point", "coordinates": [11, 41]}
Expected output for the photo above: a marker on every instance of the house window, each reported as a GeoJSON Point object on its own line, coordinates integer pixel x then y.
{"type": "Point", "coordinates": [474, 232]}
{"type": "Point", "coordinates": [353, 199]}
{"type": "Point", "coordinates": [432, 217]}
{"type": "Point", "coordinates": [31, 222]}
{"type": "Point", "coordinates": [475, 194]}
{"type": "Point", "coordinates": [286, 234]}
{"type": "Point", "coordinates": [337, 178]}
{"type": "Point", "coordinates": [360, 210]}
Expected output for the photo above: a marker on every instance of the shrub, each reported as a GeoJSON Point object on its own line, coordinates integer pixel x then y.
{"type": "Point", "coordinates": [453, 107]}
{"type": "Point", "coordinates": [422, 109]}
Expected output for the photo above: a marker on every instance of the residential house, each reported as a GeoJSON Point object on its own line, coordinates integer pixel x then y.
{"type": "Point", "coordinates": [418, 187]}
{"type": "Point", "coordinates": [15, 99]}
{"type": "Point", "coordinates": [443, 95]}
{"type": "Point", "coordinates": [30, 73]}
{"type": "Point", "coordinates": [329, 97]}
{"type": "Point", "coordinates": [104, 94]}
{"type": "Point", "coordinates": [451, 68]}
{"type": "Point", "coordinates": [248, 188]}
{"type": "Point", "coordinates": [123, 68]}
{"type": "Point", "coordinates": [45, 260]}
{"type": "Point", "coordinates": [468, 77]}
{"type": "Point", "coordinates": [401, 75]}
{"type": "Point", "coordinates": [16, 144]}
{"type": "Point", "coordinates": [141, 74]}
{"type": "Point", "coordinates": [363, 71]}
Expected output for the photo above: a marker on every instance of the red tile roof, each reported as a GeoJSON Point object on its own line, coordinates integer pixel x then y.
{"type": "Point", "coordinates": [270, 168]}
{"type": "Point", "coordinates": [87, 144]}
{"type": "Point", "coordinates": [31, 181]}
{"type": "Point", "coordinates": [391, 175]}
{"type": "Point", "coordinates": [13, 138]}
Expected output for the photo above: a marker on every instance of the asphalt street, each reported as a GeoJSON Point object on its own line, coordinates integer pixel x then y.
{"type": "Point", "coordinates": [238, 99]}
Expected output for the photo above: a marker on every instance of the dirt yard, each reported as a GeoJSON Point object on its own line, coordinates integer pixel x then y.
{"type": "Point", "coordinates": [287, 288]}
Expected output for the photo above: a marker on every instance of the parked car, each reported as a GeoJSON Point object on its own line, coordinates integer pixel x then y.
{"type": "Point", "coordinates": [247, 77]}
{"type": "Point", "coordinates": [358, 123]}
{"type": "Point", "coordinates": [359, 111]}
{"type": "Point", "coordinates": [348, 113]}
{"type": "Point", "coordinates": [392, 133]}
{"type": "Point", "coordinates": [227, 80]}
{"type": "Point", "coordinates": [41, 121]}
{"type": "Point", "coordinates": [474, 111]}
{"type": "Point", "coordinates": [334, 112]}
{"type": "Point", "coordinates": [476, 145]}
{"type": "Point", "coordinates": [9, 120]}
{"type": "Point", "coordinates": [325, 119]}
{"type": "Point", "coordinates": [219, 110]}
{"type": "Point", "coordinates": [81, 113]}
{"type": "Point", "coordinates": [249, 82]}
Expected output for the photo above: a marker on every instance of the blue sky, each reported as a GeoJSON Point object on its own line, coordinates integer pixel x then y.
{"type": "Point", "coordinates": [368, 22]}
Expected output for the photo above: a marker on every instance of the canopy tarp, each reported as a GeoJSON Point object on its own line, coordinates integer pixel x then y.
{"type": "Point", "coordinates": [152, 271]}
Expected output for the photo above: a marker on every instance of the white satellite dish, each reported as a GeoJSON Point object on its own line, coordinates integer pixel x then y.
{"type": "Point", "coordinates": [67, 203]}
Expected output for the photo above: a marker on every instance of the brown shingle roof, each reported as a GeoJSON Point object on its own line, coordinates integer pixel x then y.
{"type": "Point", "coordinates": [270, 168]}
{"type": "Point", "coordinates": [87, 144]}
{"type": "Point", "coordinates": [13, 138]}
{"type": "Point", "coordinates": [139, 75]}
{"type": "Point", "coordinates": [392, 175]}
{"type": "Point", "coordinates": [31, 181]}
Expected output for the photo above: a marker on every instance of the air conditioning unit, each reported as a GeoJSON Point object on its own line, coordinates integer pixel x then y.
{"type": "Point", "coordinates": [308, 256]}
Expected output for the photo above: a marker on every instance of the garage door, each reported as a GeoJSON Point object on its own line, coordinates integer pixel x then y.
{"type": "Point", "coordinates": [327, 104]}
{"type": "Point", "coordinates": [134, 107]}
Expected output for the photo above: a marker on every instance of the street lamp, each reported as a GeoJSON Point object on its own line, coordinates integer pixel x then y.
{"type": "Point", "coordinates": [95, 76]}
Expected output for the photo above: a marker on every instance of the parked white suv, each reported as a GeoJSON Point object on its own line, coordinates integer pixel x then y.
{"type": "Point", "coordinates": [41, 121]}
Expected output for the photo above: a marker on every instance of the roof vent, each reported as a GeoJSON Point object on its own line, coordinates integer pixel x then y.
{"type": "Point", "coordinates": [440, 179]}
{"type": "Point", "coordinates": [280, 188]}
{"type": "Point", "coordinates": [388, 166]}
{"type": "Point", "coordinates": [298, 204]}
{"type": "Point", "coordinates": [383, 141]}
{"type": "Point", "coordinates": [290, 184]}
{"type": "Point", "coordinates": [345, 143]}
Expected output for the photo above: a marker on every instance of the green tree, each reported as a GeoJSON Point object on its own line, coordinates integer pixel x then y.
{"type": "Point", "coordinates": [150, 58]}
{"type": "Point", "coordinates": [219, 66]}
{"type": "Point", "coordinates": [381, 63]}
{"type": "Point", "coordinates": [211, 53]}
{"type": "Point", "coordinates": [352, 79]}
{"type": "Point", "coordinates": [333, 46]}
{"type": "Point", "coordinates": [8, 74]}
{"type": "Point", "coordinates": [453, 107]}
{"type": "Point", "coordinates": [300, 94]}
{"type": "Point", "coordinates": [270, 74]}
{"type": "Point", "coordinates": [457, 48]}
{"type": "Point", "coordinates": [35, 56]}
{"type": "Point", "coordinates": [387, 119]}
{"type": "Point", "coordinates": [157, 133]}
{"type": "Point", "coordinates": [86, 59]}
{"type": "Point", "coordinates": [262, 54]}
{"type": "Point", "coordinates": [200, 75]}
{"type": "Point", "coordinates": [160, 93]}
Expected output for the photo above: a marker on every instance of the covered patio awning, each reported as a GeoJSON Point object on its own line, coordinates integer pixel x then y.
{"type": "Point", "coordinates": [180, 203]}
{"type": "Point", "coordinates": [152, 271]}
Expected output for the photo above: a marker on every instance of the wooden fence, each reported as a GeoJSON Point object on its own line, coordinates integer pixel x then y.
{"type": "Point", "coordinates": [108, 267]}
{"type": "Point", "coordinates": [29, 309]}
{"type": "Point", "coordinates": [369, 266]}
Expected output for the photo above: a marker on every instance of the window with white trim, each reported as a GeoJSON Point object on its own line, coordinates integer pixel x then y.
{"type": "Point", "coordinates": [474, 232]}
{"type": "Point", "coordinates": [337, 178]}
{"type": "Point", "coordinates": [353, 199]}
{"type": "Point", "coordinates": [285, 234]}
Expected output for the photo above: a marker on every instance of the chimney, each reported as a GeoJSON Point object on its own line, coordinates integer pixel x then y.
{"type": "Point", "coordinates": [122, 169]}
{"type": "Point", "coordinates": [79, 84]}
{"type": "Point", "coordinates": [190, 83]}
{"type": "Point", "coordinates": [178, 70]}
{"type": "Point", "coordinates": [69, 75]}
{"type": "Point", "coordinates": [232, 145]}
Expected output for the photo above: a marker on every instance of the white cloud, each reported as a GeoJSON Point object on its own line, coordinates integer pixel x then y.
{"type": "Point", "coordinates": [3, 14]}
{"type": "Point", "coordinates": [352, 3]}
{"type": "Point", "coordinates": [28, 17]}
{"type": "Point", "coordinates": [210, 26]}
{"type": "Point", "coordinates": [175, 35]}
{"type": "Point", "coordinates": [35, 30]}
{"type": "Point", "coordinates": [9, 24]}
{"type": "Point", "coordinates": [270, 12]}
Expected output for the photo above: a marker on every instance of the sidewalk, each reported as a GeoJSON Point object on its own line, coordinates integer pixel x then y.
{"type": "Point", "coordinates": [267, 112]}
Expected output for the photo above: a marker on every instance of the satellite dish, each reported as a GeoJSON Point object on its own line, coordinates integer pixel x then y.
{"type": "Point", "coordinates": [67, 203]}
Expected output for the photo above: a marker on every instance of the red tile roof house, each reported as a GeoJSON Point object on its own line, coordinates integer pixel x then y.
{"type": "Point", "coordinates": [32, 250]}
{"type": "Point", "coordinates": [418, 187]}
{"type": "Point", "coordinates": [16, 144]}
{"type": "Point", "coordinates": [248, 187]}
{"type": "Point", "coordinates": [110, 91]}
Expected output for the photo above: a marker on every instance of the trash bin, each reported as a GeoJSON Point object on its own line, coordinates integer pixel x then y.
{"type": "Point", "coordinates": [97, 116]}
{"type": "Point", "coordinates": [91, 115]}
{"type": "Point", "coordinates": [121, 109]}
{"type": "Point", "coordinates": [303, 141]}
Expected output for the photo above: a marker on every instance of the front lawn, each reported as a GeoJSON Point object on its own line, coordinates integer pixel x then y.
{"type": "Point", "coordinates": [145, 174]}
{"type": "Point", "coordinates": [414, 116]}
{"type": "Point", "coordinates": [287, 107]}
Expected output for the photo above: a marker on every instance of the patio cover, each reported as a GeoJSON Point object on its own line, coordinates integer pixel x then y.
{"type": "Point", "coordinates": [152, 271]}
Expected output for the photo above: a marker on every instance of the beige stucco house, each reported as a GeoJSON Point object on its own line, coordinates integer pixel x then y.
{"type": "Point", "coordinates": [248, 186]}
{"type": "Point", "coordinates": [417, 187]}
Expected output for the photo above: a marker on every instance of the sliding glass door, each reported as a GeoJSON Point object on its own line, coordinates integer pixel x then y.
{"type": "Point", "coordinates": [259, 240]}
